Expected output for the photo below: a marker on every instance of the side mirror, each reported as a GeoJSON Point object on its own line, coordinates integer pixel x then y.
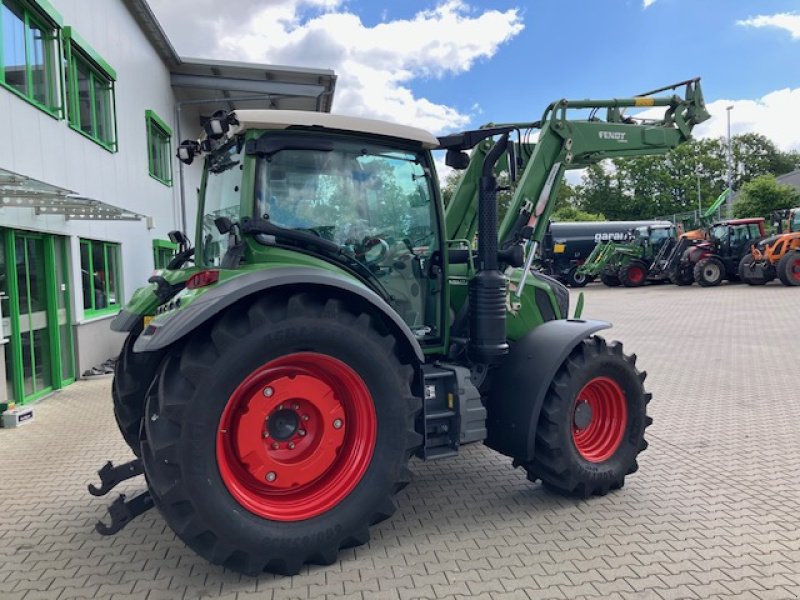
{"type": "Point", "coordinates": [179, 238]}
{"type": "Point", "coordinates": [223, 224]}
{"type": "Point", "coordinates": [457, 159]}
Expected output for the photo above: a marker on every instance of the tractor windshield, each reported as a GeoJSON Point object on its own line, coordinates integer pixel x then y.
{"type": "Point", "coordinates": [794, 224]}
{"type": "Point", "coordinates": [223, 180]}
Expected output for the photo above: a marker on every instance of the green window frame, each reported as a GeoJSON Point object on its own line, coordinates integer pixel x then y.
{"type": "Point", "coordinates": [163, 252]}
{"type": "Point", "coordinates": [38, 80]}
{"type": "Point", "coordinates": [159, 144]}
{"type": "Point", "coordinates": [90, 87]}
{"type": "Point", "coordinates": [101, 277]}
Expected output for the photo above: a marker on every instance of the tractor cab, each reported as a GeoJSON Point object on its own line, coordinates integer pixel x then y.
{"type": "Point", "coordinates": [654, 236]}
{"type": "Point", "coordinates": [735, 237]}
{"type": "Point", "coordinates": [786, 221]}
{"type": "Point", "coordinates": [362, 204]}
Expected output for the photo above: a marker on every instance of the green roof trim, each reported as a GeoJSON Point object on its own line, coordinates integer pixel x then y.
{"type": "Point", "coordinates": [150, 115]}
{"type": "Point", "coordinates": [48, 10]}
{"type": "Point", "coordinates": [72, 36]}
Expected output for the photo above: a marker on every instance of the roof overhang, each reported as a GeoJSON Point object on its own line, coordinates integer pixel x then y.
{"type": "Point", "coordinates": [218, 84]}
{"type": "Point", "coordinates": [20, 191]}
{"type": "Point", "coordinates": [238, 85]}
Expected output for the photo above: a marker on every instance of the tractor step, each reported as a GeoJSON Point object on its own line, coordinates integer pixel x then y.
{"type": "Point", "coordinates": [111, 476]}
{"type": "Point", "coordinates": [453, 413]}
{"type": "Point", "coordinates": [123, 512]}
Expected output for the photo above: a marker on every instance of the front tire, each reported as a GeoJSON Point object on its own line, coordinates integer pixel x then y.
{"type": "Point", "coordinates": [633, 274]}
{"type": "Point", "coordinates": [709, 272]}
{"type": "Point", "coordinates": [609, 277]}
{"type": "Point", "coordinates": [789, 268]}
{"type": "Point", "coordinates": [279, 434]}
{"type": "Point", "coordinates": [575, 279]}
{"type": "Point", "coordinates": [591, 428]}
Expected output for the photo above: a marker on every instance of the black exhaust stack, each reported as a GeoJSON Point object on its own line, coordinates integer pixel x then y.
{"type": "Point", "coordinates": [488, 289]}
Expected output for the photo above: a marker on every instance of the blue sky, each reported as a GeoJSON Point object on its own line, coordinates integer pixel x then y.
{"type": "Point", "coordinates": [450, 64]}
{"type": "Point", "coordinates": [612, 48]}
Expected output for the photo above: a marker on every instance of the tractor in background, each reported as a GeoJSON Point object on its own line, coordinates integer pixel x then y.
{"type": "Point", "coordinates": [777, 255]}
{"type": "Point", "coordinates": [336, 321]}
{"type": "Point", "coordinates": [567, 245]}
{"type": "Point", "coordinates": [629, 264]}
{"type": "Point", "coordinates": [717, 257]}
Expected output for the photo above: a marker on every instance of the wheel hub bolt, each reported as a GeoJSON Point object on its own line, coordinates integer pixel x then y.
{"type": "Point", "coordinates": [291, 445]}
{"type": "Point", "coordinates": [295, 406]}
{"type": "Point", "coordinates": [271, 476]}
{"type": "Point", "coordinates": [337, 424]}
{"type": "Point", "coordinates": [305, 417]}
{"type": "Point", "coordinates": [268, 391]}
{"type": "Point", "coordinates": [275, 445]}
{"type": "Point", "coordinates": [301, 432]}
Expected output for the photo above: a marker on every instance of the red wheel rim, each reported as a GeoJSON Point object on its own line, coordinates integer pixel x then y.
{"type": "Point", "coordinates": [599, 419]}
{"type": "Point", "coordinates": [636, 274]}
{"type": "Point", "coordinates": [296, 437]}
{"type": "Point", "coordinates": [796, 269]}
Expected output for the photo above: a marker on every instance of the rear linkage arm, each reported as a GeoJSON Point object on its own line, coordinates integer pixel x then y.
{"type": "Point", "coordinates": [121, 511]}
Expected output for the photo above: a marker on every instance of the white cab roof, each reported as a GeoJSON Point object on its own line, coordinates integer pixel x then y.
{"type": "Point", "coordinates": [282, 119]}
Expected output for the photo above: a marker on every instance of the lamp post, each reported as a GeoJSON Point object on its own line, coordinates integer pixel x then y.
{"type": "Point", "coordinates": [729, 199]}
{"type": "Point", "coordinates": [698, 170]}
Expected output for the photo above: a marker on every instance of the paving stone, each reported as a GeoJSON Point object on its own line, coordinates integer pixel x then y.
{"type": "Point", "coordinates": [712, 512]}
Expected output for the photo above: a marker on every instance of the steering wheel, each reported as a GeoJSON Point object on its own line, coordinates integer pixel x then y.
{"type": "Point", "coordinates": [372, 250]}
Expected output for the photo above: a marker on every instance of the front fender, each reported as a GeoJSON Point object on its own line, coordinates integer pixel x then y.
{"type": "Point", "coordinates": [519, 384]}
{"type": "Point", "coordinates": [162, 333]}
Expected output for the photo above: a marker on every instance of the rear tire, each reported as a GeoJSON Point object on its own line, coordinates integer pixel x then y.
{"type": "Point", "coordinates": [575, 279]}
{"type": "Point", "coordinates": [789, 268]}
{"type": "Point", "coordinates": [589, 451]}
{"type": "Point", "coordinates": [609, 277]}
{"type": "Point", "coordinates": [709, 272]}
{"type": "Point", "coordinates": [633, 274]}
{"type": "Point", "coordinates": [225, 490]}
{"type": "Point", "coordinates": [133, 374]}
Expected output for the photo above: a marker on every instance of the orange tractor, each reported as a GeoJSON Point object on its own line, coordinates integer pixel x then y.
{"type": "Point", "coordinates": [775, 256]}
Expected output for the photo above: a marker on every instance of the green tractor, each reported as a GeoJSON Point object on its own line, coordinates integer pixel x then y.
{"type": "Point", "coordinates": [629, 263]}
{"type": "Point", "coordinates": [333, 321]}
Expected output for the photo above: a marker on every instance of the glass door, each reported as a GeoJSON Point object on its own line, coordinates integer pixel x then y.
{"type": "Point", "coordinates": [34, 333]}
{"type": "Point", "coordinates": [63, 322]}
{"type": "Point", "coordinates": [39, 356]}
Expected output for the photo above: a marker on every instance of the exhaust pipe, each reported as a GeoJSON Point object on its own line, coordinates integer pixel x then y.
{"type": "Point", "coordinates": [489, 287]}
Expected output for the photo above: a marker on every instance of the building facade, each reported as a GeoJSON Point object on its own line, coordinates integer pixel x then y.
{"type": "Point", "coordinates": [93, 102]}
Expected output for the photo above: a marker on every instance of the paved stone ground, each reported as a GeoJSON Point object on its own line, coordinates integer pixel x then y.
{"type": "Point", "coordinates": [714, 511]}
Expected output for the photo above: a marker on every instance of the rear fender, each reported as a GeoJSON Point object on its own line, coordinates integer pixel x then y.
{"type": "Point", "coordinates": [161, 334]}
{"type": "Point", "coordinates": [520, 383]}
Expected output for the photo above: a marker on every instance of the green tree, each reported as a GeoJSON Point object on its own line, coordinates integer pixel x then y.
{"type": "Point", "coordinates": [570, 213]}
{"type": "Point", "coordinates": [763, 195]}
{"type": "Point", "coordinates": [451, 182]}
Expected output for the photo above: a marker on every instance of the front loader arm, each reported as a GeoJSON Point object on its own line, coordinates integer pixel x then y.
{"type": "Point", "coordinates": [566, 143]}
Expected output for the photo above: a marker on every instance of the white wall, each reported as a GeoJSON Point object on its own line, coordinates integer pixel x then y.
{"type": "Point", "coordinates": [38, 146]}
{"type": "Point", "coordinates": [47, 149]}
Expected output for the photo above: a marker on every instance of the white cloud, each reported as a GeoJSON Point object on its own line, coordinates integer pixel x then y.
{"type": "Point", "coordinates": [773, 115]}
{"type": "Point", "coordinates": [648, 3]}
{"type": "Point", "coordinates": [376, 64]}
{"type": "Point", "coordinates": [787, 21]}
